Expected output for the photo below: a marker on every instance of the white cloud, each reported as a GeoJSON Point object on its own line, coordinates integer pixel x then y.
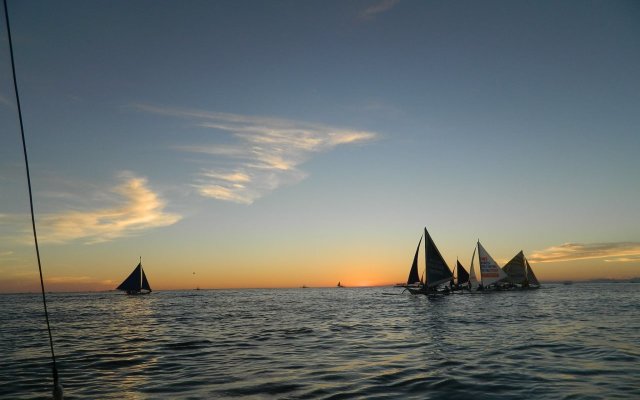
{"type": "Point", "coordinates": [265, 153]}
{"type": "Point", "coordinates": [137, 208]}
{"type": "Point", "coordinates": [615, 252]}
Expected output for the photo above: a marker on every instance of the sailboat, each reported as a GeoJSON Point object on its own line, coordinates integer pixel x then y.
{"type": "Point", "coordinates": [462, 277]}
{"type": "Point", "coordinates": [490, 271]}
{"type": "Point", "coordinates": [437, 271]}
{"type": "Point", "coordinates": [519, 272]}
{"type": "Point", "coordinates": [136, 282]}
{"type": "Point", "coordinates": [339, 285]}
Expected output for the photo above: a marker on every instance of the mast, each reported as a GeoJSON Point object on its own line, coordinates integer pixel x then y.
{"type": "Point", "coordinates": [479, 266]}
{"type": "Point", "coordinates": [426, 273]}
{"type": "Point", "coordinates": [455, 269]}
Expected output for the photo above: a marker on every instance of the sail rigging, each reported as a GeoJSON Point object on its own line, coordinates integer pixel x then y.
{"type": "Point", "coordinates": [58, 392]}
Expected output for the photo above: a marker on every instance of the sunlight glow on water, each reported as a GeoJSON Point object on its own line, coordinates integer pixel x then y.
{"type": "Point", "coordinates": [578, 341]}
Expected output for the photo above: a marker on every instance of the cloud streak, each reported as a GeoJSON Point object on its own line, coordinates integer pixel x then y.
{"type": "Point", "coordinates": [611, 252]}
{"type": "Point", "coordinates": [379, 7]}
{"type": "Point", "coordinates": [137, 208]}
{"type": "Point", "coordinates": [258, 154]}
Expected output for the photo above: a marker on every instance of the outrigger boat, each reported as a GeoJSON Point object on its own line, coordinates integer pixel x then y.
{"type": "Point", "coordinates": [436, 273]}
{"type": "Point", "coordinates": [519, 273]}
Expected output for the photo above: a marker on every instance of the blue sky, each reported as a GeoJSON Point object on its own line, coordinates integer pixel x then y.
{"type": "Point", "coordinates": [241, 138]}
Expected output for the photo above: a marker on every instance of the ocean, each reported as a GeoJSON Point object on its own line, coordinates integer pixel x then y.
{"type": "Point", "coordinates": [578, 341]}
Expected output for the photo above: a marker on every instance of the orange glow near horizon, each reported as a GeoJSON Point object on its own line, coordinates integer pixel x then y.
{"type": "Point", "coordinates": [165, 278]}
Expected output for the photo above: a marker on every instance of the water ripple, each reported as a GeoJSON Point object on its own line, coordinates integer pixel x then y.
{"type": "Point", "coordinates": [561, 342]}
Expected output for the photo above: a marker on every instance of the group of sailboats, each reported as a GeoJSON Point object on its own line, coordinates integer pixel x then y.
{"type": "Point", "coordinates": [438, 279]}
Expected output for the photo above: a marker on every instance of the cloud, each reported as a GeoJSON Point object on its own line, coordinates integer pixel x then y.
{"type": "Point", "coordinates": [5, 101]}
{"type": "Point", "coordinates": [76, 280]}
{"type": "Point", "coordinates": [263, 154]}
{"type": "Point", "coordinates": [137, 208]}
{"type": "Point", "coordinates": [379, 7]}
{"type": "Point", "coordinates": [612, 252]}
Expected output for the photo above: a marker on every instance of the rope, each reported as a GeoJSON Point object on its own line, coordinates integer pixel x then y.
{"type": "Point", "coordinates": [33, 219]}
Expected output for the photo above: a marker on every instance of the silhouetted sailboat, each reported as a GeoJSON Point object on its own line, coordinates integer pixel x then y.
{"type": "Point", "coordinates": [519, 272]}
{"type": "Point", "coordinates": [339, 285]}
{"type": "Point", "coordinates": [437, 271]}
{"type": "Point", "coordinates": [136, 282]}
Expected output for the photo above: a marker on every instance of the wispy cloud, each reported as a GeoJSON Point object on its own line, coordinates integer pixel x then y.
{"type": "Point", "coordinates": [378, 7]}
{"type": "Point", "coordinates": [264, 154]}
{"type": "Point", "coordinates": [5, 101]}
{"type": "Point", "coordinates": [611, 252]}
{"type": "Point", "coordinates": [132, 207]}
{"type": "Point", "coordinates": [77, 280]}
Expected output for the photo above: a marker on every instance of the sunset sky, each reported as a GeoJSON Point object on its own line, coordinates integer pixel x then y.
{"type": "Point", "coordinates": [281, 143]}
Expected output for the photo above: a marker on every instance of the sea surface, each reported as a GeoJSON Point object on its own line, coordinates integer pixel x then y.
{"type": "Point", "coordinates": [578, 341]}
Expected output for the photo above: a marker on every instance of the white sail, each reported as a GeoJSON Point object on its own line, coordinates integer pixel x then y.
{"type": "Point", "coordinates": [490, 271]}
{"type": "Point", "coordinates": [472, 272]}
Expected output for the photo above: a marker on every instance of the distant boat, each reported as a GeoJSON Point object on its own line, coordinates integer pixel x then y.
{"type": "Point", "coordinates": [437, 271]}
{"type": "Point", "coordinates": [304, 286]}
{"type": "Point", "coordinates": [339, 285]}
{"type": "Point", "coordinates": [136, 283]}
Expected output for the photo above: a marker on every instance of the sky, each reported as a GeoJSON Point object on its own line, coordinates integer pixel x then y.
{"type": "Point", "coordinates": [286, 143]}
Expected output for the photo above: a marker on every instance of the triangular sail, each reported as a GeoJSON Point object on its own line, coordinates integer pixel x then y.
{"type": "Point", "coordinates": [490, 271]}
{"type": "Point", "coordinates": [472, 271]}
{"type": "Point", "coordinates": [515, 269]}
{"type": "Point", "coordinates": [414, 277]}
{"type": "Point", "coordinates": [133, 281]}
{"type": "Point", "coordinates": [530, 275]}
{"type": "Point", "coordinates": [463, 275]}
{"type": "Point", "coordinates": [136, 281]}
{"type": "Point", "coordinates": [437, 269]}
{"type": "Point", "coordinates": [145, 282]}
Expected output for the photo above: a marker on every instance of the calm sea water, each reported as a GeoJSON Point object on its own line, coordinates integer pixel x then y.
{"type": "Point", "coordinates": [580, 341]}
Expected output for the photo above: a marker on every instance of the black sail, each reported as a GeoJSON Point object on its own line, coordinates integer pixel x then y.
{"type": "Point", "coordinates": [136, 281]}
{"type": "Point", "coordinates": [437, 269]}
{"type": "Point", "coordinates": [413, 273]}
{"type": "Point", "coordinates": [530, 275]}
{"type": "Point", "coordinates": [515, 269]}
{"type": "Point", "coordinates": [463, 275]}
{"type": "Point", "coordinates": [145, 282]}
{"type": "Point", "coordinates": [133, 281]}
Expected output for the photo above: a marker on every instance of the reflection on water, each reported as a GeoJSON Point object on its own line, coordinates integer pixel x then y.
{"type": "Point", "coordinates": [558, 342]}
